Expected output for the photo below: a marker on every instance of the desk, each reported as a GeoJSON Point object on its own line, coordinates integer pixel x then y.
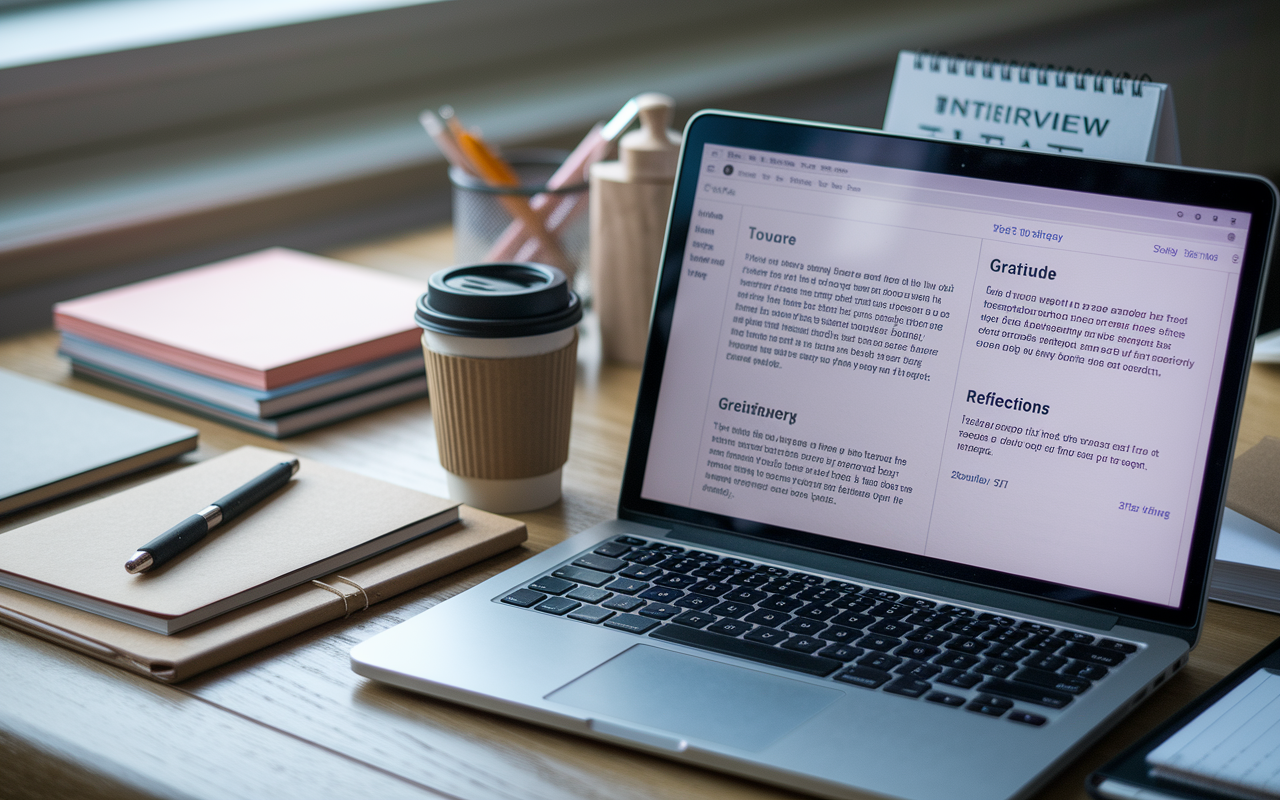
{"type": "Point", "coordinates": [294, 721]}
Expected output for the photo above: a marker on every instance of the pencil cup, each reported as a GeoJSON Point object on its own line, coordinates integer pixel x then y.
{"type": "Point", "coordinates": [494, 224]}
{"type": "Point", "coordinates": [501, 349]}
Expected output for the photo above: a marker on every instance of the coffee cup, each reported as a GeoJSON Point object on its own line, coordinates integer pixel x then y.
{"type": "Point", "coordinates": [501, 347]}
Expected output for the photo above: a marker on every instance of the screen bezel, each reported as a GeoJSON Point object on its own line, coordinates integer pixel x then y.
{"type": "Point", "coordinates": [1138, 181]}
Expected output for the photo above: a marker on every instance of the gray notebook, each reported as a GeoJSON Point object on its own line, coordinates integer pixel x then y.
{"type": "Point", "coordinates": [54, 441]}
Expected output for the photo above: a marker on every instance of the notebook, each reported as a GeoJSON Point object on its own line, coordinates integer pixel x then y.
{"type": "Point", "coordinates": [928, 457]}
{"type": "Point", "coordinates": [54, 441]}
{"type": "Point", "coordinates": [1224, 744]}
{"type": "Point", "coordinates": [1246, 568]}
{"type": "Point", "coordinates": [265, 320]}
{"type": "Point", "coordinates": [325, 519]}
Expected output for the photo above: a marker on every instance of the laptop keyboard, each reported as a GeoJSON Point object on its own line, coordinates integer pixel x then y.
{"type": "Point", "coordinates": [864, 636]}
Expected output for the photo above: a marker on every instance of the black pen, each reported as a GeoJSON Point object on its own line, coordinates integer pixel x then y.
{"type": "Point", "coordinates": [195, 527]}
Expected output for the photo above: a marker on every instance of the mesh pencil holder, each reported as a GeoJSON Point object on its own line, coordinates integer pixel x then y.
{"type": "Point", "coordinates": [528, 222]}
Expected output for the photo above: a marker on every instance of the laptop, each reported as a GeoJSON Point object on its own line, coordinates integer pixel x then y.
{"type": "Point", "coordinates": [927, 464]}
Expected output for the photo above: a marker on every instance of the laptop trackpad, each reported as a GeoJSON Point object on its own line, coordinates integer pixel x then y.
{"type": "Point", "coordinates": [696, 698]}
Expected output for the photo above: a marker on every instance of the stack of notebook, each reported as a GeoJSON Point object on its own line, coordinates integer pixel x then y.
{"type": "Point", "coordinates": [329, 544]}
{"type": "Point", "coordinates": [278, 342]}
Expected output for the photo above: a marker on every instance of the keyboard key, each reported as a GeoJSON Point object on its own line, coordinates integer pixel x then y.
{"type": "Point", "coordinates": [1046, 661]}
{"type": "Point", "coordinates": [817, 611]}
{"type": "Point", "coordinates": [866, 677]}
{"type": "Point", "coordinates": [752, 650]}
{"type": "Point", "coordinates": [928, 619]}
{"type": "Point", "coordinates": [729, 627]}
{"type": "Point", "coordinates": [524, 598]}
{"type": "Point", "coordinates": [701, 555]}
{"type": "Point", "coordinates": [968, 628]}
{"type": "Point", "coordinates": [954, 660]}
{"type": "Point", "coordinates": [736, 563]}
{"type": "Point", "coordinates": [611, 549]}
{"type": "Point", "coordinates": [998, 702]}
{"type": "Point", "coordinates": [640, 572]}
{"type": "Point", "coordinates": [1014, 654]}
{"type": "Point", "coordinates": [627, 586]}
{"type": "Point", "coordinates": [855, 603]}
{"type": "Point", "coordinates": [986, 708]}
{"type": "Point", "coordinates": [630, 623]}
{"type": "Point", "coordinates": [891, 627]}
{"type": "Point", "coordinates": [767, 636]}
{"type": "Point", "coordinates": [711, 588]}
{"type": "Point", "coordinates": [840, 635]}
{"type": "Point", "coordinates": [1004, 635]}
{"type": "Point", "coordinates": [631, 540]}
{"type": "Point", "coordinates": [646, 558]}
{"type": "Point", "coordinates": [1036, 627]}
{"type": "Point", "coordinates": [960, 679]}
{"type": "Point", "coordinates": [1044, 644]}
{"type": "Point", "coordinates": [803, 577]}
{"type": "Point", "coordinates": [1083, 669]}
{"type": "Point", "coordinates": [697, 602]}
{"type": "Point", "coordinates": [592, 614]}
{"type": "Point", "coordinates": [850, 619]}
{"type": "Point", "coordinates": [1094, 655]}
{"type": "Point", "coordinates": [1124, 647]}
{"type": "Point", "coordinates": [908, 687]}
{"type": "Point", "coordinates": [765, 617]}
{"type": "Point", "coordinates": [679, 565]}
{"type": "Point", "coordinates": [622, 603]}
{"type": "Point", "coordinates": [843, 586]}
{"type": "Point", "coordinates": [807, 627]}
{"type": "Point", "coordinates": [669, 549]}
{"type": "Point", "coordinates": [929, 637]}
{"type": "Point", "coordinates": [1051, 680]}
{"type": "Point", "coordinates": [773, 572]}
{"type": "Point", "coordinates": [1026, 718]}
{"type": "Point", "coordinates": [881, 594]}
{"type": "Point", "coordinates": [881, 661]}
{"type": "Point", "coordinates": [877, 641]}
{"type": "Point", "coordinates": [662, 594]}
{"type": "Point", "coordinates": [891, 610]}
{"type": "Point", "coordinates": [819, 594]}
{"type": "Point", "coordinates": [549, 585]}
{"type": "Point", "coordinates": [588, 595]}
{"type": "Point", "coordinates": [996, 619]}
{"type": "Point", "coordinates": [660, 611]}
{"type": "Point", "coordinates": [784, 604]}
{"type": "Point", "coordinates": [917, 670]}
{"type": "Point", "coordinates": [917, 602]}
{"type": "Point", "coordinates": [753, 580]}
{"type": "Point", "coordinates": [942, 698]}
{"type": "Point", "coordinates": [963, 645]}
{"type": "Point", "coordinates": [1079, 638]}
{"type": "Point", "coordinates": [675, 580]}
{"type": "Point", "coordinates": [557, 605]}
{"type": "Point", "coordinates": [1026, 693]}
{"type": "Point", "coordinates": [730, 609]}
{"type": "Point", "coordinates": [694, 619]}
{"type": "Point", "coordinates": [744, 595]}
{"type": "Point", "coordinates": [804, 644]}
{"type": "Point", "coordinates": [917, 651]}
{"type": "Point", "coordinates": [590, 577]}
{"type": "Point", "coordinates": [840, 652]}
{"type": "Point", "coordinates": [996, 669]}
{"type": "Point", "coordinates": [956, 611]}
{"type": "Point", "coordinates": [598, 562]}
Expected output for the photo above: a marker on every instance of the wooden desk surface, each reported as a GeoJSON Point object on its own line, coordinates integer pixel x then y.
{"type": "Point", "coordinates": [293, 720]}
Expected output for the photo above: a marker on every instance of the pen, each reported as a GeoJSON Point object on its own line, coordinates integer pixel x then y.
{"type": "Point", "coordinates": [164, 547]}
{"type": "Point", "coordinates": [515, 244]}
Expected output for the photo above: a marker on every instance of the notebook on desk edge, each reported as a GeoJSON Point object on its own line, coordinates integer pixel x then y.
{"type": "Point", "coordinates": [985, 382]}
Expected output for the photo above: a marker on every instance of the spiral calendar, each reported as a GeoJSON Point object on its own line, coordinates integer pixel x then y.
{"type": "Point", "coordinates": [1036, 107]}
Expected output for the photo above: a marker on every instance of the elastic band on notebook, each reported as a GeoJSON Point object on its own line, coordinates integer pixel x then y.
{"type": "Point", "coordinates": [346, 607]}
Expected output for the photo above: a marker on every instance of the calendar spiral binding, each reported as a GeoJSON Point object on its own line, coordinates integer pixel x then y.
{"type": "Point", "coordinates": [1027, 72]}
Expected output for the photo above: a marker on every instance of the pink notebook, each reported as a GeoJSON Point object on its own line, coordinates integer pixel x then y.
{"type": "Point", "coordinates": [263, 320]}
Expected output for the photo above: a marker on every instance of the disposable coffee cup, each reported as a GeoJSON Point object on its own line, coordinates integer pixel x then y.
{"type": "Point", "coordinates": [501, 347]}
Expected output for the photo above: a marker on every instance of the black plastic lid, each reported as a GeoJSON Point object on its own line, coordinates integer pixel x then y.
{"type": "Point", "coordinates": [495, 301]}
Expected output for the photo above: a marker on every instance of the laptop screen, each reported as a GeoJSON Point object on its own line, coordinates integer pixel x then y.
{"type": "Point", "coordinates": [967, 372]}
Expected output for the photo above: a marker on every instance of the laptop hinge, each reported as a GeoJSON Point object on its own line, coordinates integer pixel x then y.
{"type": "Point", "coordinates": [876, 573]}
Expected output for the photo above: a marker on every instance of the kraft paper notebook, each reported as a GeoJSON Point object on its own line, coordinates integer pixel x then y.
{"type": "Point", "coordinates": [475, 536]}
{"type": "Point", "coordinates": [54, 441]}
{"type": "Point", "coordinates": [264, 320]}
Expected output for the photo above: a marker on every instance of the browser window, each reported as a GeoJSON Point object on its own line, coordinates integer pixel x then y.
{"type": "Point", "coordinates": [1011, 377]}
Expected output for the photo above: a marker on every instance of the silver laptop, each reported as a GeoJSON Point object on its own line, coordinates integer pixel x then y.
{"type": "Point", "coordinates": [927, 465]}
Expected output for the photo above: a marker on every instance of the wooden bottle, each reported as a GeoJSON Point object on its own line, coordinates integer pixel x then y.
{"type": "Point", "coordinates": [630, 200]}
